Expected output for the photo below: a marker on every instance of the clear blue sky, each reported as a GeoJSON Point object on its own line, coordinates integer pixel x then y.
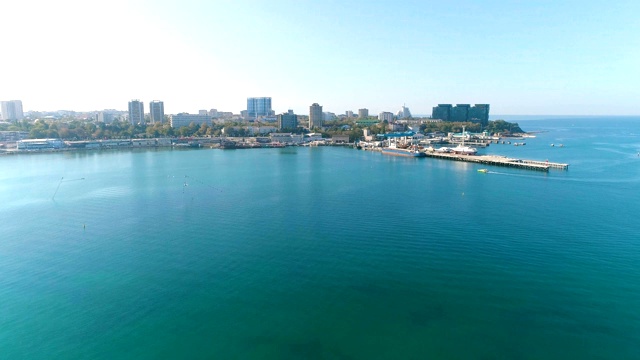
{"type": "Point", "coordinates": [522, 57]}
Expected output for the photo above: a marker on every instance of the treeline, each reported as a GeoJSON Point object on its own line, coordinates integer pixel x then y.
{"type": "Point", "coordinates": [86, 130]}
{"type": "Point", "coordinates": [494, 127]}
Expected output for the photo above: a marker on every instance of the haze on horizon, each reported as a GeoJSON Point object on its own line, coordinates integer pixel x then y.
{"type": "Point", "coordinates": [538, 57]}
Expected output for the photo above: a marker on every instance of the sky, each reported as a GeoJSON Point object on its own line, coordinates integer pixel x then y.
{"type": "Point", "coordinates": [521, 57]}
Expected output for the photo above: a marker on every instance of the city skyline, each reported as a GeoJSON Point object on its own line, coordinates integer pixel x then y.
{"type": "Point", "coordinates": [569, 58]}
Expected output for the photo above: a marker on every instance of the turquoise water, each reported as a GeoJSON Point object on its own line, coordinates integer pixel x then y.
{"type": "Point", "coordinates": [325, 253]}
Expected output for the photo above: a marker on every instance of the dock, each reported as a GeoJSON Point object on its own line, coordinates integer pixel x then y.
{"type": "Point", "coordinates": [497, 160]}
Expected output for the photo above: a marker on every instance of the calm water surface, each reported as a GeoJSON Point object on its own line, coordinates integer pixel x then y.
{"type": "Point", "coordinates": [325, 253]}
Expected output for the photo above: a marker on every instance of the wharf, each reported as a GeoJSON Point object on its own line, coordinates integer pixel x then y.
{"type": "Point", "coordinates": [499, 161]}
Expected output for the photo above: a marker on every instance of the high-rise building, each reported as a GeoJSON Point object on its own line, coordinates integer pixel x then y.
{"type": "Point", "coordinates": [442, 112]}
{"type": "Point", "coordinates": [259, 106]}
{"type": "Point", "coordinates": [287, 120]}
{"type": "Point", "coordinates": [363, 113]}
{"type": "Point", "coordinates": [156, 111]}
{"type": "Point", "coordinates": [11, 110]}
{"type": "Point", "coordinates": [479, 113]}
{"type": "Point", "coordinates": [315, 116]}
{"type": "Point", "coordinates": [385, 115]}
{"type": "Point", "coordinates": [136, 112]}
{"type": "Point", "coordinates": [349, 113]}
{"type": "Point", "coordinates": [460, 113]}
{"type": "Point", "coordinates": [404, 113]}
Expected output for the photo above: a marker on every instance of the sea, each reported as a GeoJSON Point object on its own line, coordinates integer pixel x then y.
{"type": "Point", "coordinates": [326, 252]}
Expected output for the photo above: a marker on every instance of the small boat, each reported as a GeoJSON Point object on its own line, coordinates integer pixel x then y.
{"type": "Point", "coordinates": [484, 171]}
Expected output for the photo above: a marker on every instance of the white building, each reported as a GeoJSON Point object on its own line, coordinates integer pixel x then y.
{"type": "Point", "coordinates": [286, 138]}
{"type": "Point", "coordinates": [136, 112]}
{"type": "Point", "coordinates": [184, 119]}
{"type": "Point", "coordinates": [11, 110]}
{"type": "Point", "coordinates": [404, 113]}
{"type": "Point", "coordinates": [385, 115]}
{"type": "Point", "coordinates": [315, 116]}
{"type": "Point", "coordinates": [39, 144]}
{"type": "Point", "coordinates": [156, 111]}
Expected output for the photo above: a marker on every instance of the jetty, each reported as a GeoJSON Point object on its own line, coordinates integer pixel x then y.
{"type": "Point", "coordinates": [498, 160]}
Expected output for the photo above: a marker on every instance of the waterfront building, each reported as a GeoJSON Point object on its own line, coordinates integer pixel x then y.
{"type": "Point", "coordinates": [136, 112]}
{"type": "Point", "coordinates": [479, 113]}
{"type": "Point", "coordinates": [286, 138]}
{"type": "Point", "coordinates": [462, 112]}
{"type": "Point", "coordinates": [312, 137]}
{"type": "Point", "coordinates": [11, 110]}
{"type": "Point", "coordinates": [442, 112]}
{"type": "Point", "coordinates": [287, 120]}
{"type": "Point", "coordinates": [404, 113]}
{"type": "Point", "coordinates": [156, 110]}
{"type": "Point", "coordinates": [39, 144]}
{"type": "Point", "coordinates": [339, 139]}
{"type": "Point", "coordinates": [185, 119]}
{"type": "Point", "coordinates": [258, 106]}
{"type": "Point", "coordinates": [363, 113]}
{"type": "Point", "coordinates": [385, 115]}
{"type": "Point", "coordinates": [13, 136]}
{"type": "Point", "coordinates": [315, 116]}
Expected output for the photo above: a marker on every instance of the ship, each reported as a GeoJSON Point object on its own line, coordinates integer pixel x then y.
{"type": "Point", "coordinates": [462, 149]}
{"type": "Point", "coordinates": [402, 152]}
{"type": "Point", "coordinates": [393, 149]}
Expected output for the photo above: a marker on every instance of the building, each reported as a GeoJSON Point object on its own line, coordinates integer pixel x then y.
{"type": "Point", "coordinates": [286, 138]}
{"type": "Point", "coordinates": [11, 110]}
{"type": "Point", "coordinates": [385, 115]}
{"type": "Point", "coordinates": [184, 119]}
{"type": "Point", "coordinates": [349, 113]}
{"type": "Point", "coordinates": [156, 111]}
{"type": "Point", "coordinates": [328, 116]}
{"type": "Point", "coordinates": [259, 106]}
{"type": "Point", "coordinates": [315, 116]}
{"type": "Point", "coordinates": [363, 113]}
{"type": "Point", "coordinates": [136, 112]}
{"type": "Point", "coordinates": [39, 144]}
{"type": "Point", "coordinates": [404, 113]}
{"type": "Point", "coordinates": [287, 120]}
{"type": "Point", "coordinates": [442, 112]}
{"type": "Point", "coordinates": [462, 113]}
{"type": "Point", "coordinates": [479, 113]}
{"type": "Point", "coordinates": [105, 117]}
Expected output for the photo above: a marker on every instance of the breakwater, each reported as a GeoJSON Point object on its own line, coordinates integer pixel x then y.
{"type": "Point", "coordinates": [498, 160]}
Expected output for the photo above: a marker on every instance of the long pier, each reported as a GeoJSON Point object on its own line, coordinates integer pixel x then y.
{"type": "Point", "coordinates": [499, 161]}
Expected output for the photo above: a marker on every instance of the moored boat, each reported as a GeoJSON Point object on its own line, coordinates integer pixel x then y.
{"type": "Point", "coordinates": [402, 152]}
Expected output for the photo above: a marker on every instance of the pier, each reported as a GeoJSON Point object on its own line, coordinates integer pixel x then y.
{"type": "Point", "coordinates": [497, 160]}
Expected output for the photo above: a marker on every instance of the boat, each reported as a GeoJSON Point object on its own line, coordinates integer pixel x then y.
{"type": "Point", "coordinates": [484, 171]}
{"type": "Point", "coordinates": [393, 149]}
{"type": "Point", "coordinates": [465, 150]}
{"type": "Point", "coordinates": [462, 149]}
{"type": "Point", "coordinates": [402, 152]}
